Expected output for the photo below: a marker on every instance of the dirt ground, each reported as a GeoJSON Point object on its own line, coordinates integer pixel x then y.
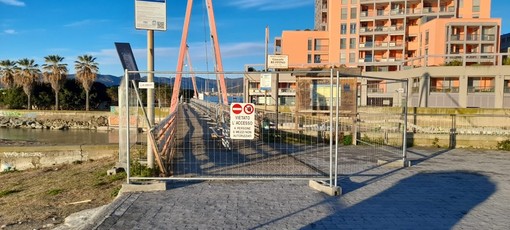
{"type": "Point", "coordinates": [43, 198]}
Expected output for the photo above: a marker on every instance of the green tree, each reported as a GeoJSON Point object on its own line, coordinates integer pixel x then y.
{"type": "Point", "coordinates": [86, 73]}
{"type": "Point", "coordinates": [113, 94]}
{"type": "Point", "coordinates": [27, 75]}
{"type": "Point", "coordinates": [7, 72]}
{"type": "Point", "coordinates": [55, 73]}
{"type": "Point", "coordinates": [71, 96]}
{"type": "Point", "coordinates": [12, 98]}
{"type": "Point", "coordinates": [43, 97]}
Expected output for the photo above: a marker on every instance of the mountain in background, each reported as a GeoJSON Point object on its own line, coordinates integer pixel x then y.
{"type": "Point", "coordinates": [234, 85]}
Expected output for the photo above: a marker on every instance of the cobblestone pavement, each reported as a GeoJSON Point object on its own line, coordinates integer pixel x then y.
{"type": "Point", "coordinates": [457, 189]}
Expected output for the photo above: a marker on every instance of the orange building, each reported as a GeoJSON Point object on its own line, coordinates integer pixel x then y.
{"type": "Point", "coordinates": [385, 35]}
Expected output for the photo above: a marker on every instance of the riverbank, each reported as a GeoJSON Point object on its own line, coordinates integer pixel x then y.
{"type": "Point", "coordinates": [34, 157]}
{"type": "Point", "coordinates": [43, 198]}
{"type": "Point", "coordinates": [89, 123]}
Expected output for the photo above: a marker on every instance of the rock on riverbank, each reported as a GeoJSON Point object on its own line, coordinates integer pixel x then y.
{"type": "Point", "coordinates": [57, 124]}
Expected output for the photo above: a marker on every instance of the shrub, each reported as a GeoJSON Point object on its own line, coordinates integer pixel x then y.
{"type": "Point", "coordinates": [347, 140]}
{"type": "Point", "coordinates": [504, 145]}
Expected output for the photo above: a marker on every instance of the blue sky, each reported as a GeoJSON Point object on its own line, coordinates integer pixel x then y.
{"type": "Point", "coordinates": [69, 28]}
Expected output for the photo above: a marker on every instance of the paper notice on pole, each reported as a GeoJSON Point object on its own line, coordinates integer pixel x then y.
{"type": "Point", "coordinates": [150, 14]}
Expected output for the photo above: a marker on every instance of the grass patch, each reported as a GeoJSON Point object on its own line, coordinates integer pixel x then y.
{"type": "Point", "coordinates": [115, 191]}
{"type": "Point", "coordinates": [9, 192]}
{"type": "Point", "coordinates": [54, 192]}
{"type": "Point", "coordinates": [103, 179]}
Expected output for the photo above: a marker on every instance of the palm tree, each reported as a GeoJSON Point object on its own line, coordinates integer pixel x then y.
{"type": "Point", "coordinates": [55, 73]}
{"type": "Point", "coordinates": [7, 72]}
{"type": "Point", "coordinates": [27, 75]}
{"type": "Point", "coordinates": [86, 73]}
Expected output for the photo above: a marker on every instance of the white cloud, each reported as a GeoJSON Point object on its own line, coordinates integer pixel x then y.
{"type": "Point", "coordinates": [270, 4]}
{"type": "Point", "coordinates": [13, 2]}
{"type": "Point", "coordinates": [10, 31]}
{"type": "Point", "coordinates": [84, 22]}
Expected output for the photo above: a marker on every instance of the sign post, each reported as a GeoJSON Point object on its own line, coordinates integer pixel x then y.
{"type": "Point", "coordinates": [242, 121]}
{"type": "Point", "coordinates": [150, 15]}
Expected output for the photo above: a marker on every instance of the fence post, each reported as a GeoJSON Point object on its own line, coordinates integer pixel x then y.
{"type": "Point", "coordinates": [453, 132]}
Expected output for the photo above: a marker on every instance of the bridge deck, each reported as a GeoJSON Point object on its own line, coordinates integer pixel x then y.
{"type": "Point", "coordinates": [201, 155]}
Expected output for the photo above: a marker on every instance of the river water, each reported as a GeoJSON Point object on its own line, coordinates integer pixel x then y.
{"type": "Point", "coordinates": [60, 137]}
{"type": "Point", "coordinates": [75, 137]}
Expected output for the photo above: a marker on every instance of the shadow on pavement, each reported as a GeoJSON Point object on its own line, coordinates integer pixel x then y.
{"type": "Point", "coordinates": [425, 200]}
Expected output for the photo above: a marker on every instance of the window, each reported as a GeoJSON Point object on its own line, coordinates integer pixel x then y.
{"type": "Point", "coordinates": [343, 14]}
{"type": "Point", "coordinates": [353, 28]}
{"type": "Point", "coordinates": [444, 84]}
{"type": "Point", "coordinates": [352, 43]}
{"type": "Point", "coordinates": [316, 58]}
{"type": "Point", "coordinates": [343, 45]}
{"type": "Point", "coordinates": [343, 57]}
{"type": "Point", "coordinates": [476, 5]}
{"type": "Point", "coordinates": [426, 37]}
{"type": "Point", "coordinates": [461, 3]}
{"type": "Point", "coordinates": [309, 59]}
{"type": "Point", "coordinates": [354, 12]}
{"type": "Point", "coordinates": [343, 28]}
{"type": "Point", "coordinates": [352, 57]}
{"type": "Point", "coordinates": [309, 44]}
{"type": "Point", "coordinates": [344, 2]}
{"type": "Point", "coordinates": [480, 85]}
{"type": "Point", "coordinates": [317, 44]}
{"type": "Point", "coordinates": [354, 1]}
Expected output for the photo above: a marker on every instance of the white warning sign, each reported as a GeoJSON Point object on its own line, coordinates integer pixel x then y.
{"type": "Point", "coordinates": [242, 121]}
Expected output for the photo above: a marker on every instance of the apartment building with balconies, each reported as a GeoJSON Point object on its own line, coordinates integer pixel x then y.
{"type": "Point", "coordinates": [378, 35]}
{"type": "Point", "coordinates": [428, 42]}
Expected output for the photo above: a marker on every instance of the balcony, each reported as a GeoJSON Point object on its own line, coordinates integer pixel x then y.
{"type": "Point", "coordinates": [381, 29]}
{"type": "Point", "coordinates": [396, 44]}
{"type": "Point", "coordinates": [365, 30]}
{"type": "Point", "coordinates": [382, 13]}
{"type": "Point", "coordinates": [489, 37]}
{"type": "Point", "coordinates": [287, 92]}
{"type": "Point", "coordinates": [412, 11]}
{"type": "Point", "coordinates": [381, 45]}
{"type": "Point", "coordinates": [397, 12]}
{"type": "Point", "coordinates": [396, 28]}
{"type": "Point", "coordinates": [366, 45]}
{"type": "Point", "coordinates": [445, 9]}
{"type": "Point", "coordinates": [256, 92]}
{"type": "Point", "coordinates": [363, 60]}
{"type": "Point", "coordinates": [472, 37]}
{"type": "Point", "coordinates": [444, 89]}
{"type": "Point", "coordinates": [481, 89]}
{"type": "Point", "coordinates": [428, 10]}
{"type": "Point", "coordinates": [375, 90]}
{"type": "Point", "coordinates": [457, 37]}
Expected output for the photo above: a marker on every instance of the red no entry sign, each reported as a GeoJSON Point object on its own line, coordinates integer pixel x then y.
{"type": "Point", "coordinates": [237, 108]}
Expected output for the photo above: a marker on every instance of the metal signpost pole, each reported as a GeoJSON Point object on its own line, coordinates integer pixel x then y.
{"type": "Point", "coordinates": [127, 126]}
{"type": "Point", "coordinates": [150, 94]}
